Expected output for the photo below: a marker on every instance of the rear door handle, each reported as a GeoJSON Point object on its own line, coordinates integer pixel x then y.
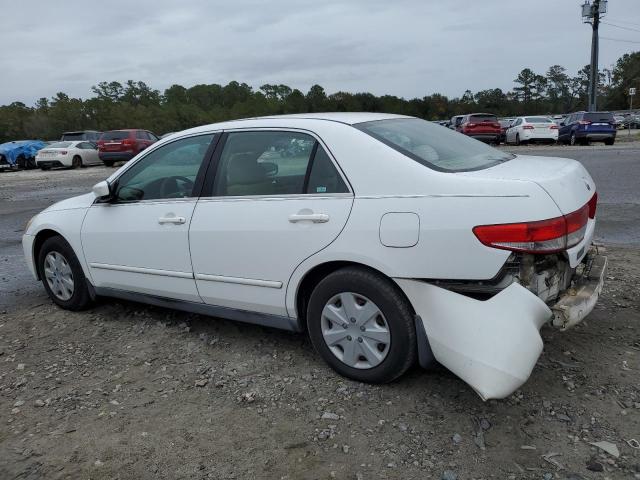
{"type": "Point", "coordinates": [312, 217]}
{"type": "Point", "coordinates": [176, 220]}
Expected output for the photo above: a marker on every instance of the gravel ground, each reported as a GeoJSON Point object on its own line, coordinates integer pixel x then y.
{"type": "Point", "coordinates": [130, 391]}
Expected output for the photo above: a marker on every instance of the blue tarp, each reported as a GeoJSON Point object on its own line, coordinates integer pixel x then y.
{"type": "Point", "coordinates": [12, 150]}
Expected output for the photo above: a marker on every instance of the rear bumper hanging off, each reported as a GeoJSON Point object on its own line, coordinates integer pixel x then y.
{"type": "Point", "coordinates": [493, 345]}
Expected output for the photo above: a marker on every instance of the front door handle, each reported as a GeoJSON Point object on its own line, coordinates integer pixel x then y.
{"type": "Point", "coordinates": [310, 217]}
{"type": "Point", "coordinates": [175, 220]}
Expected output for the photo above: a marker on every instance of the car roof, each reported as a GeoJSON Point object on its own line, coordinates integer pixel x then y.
{"type": "Point", "coordinates": [80, 131]}
{"type": "Point", "coordinates": [350, 118]}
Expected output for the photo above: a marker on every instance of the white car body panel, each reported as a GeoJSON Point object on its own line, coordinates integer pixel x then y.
{"type": "Point", "coordinates": [244, 249]}
{"type": "Point", "coordinates": [127, 248]}
{"type": "Point", "coordinates": [482, 342]}
{"type": "Point", "coordinates": [243, 253]}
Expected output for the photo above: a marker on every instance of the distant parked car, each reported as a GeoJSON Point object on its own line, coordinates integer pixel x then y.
{"type": "Point", "coordinates": [584, 127]}
{"type": "Point", "coordinates": [91, 135]}
{"type": "Point", "coordinates": [504, 125]}
{"type": "Point", "coordinates": [481, 126]}
{"type": "Point", "coordinates": [119, 145]}
{"type": "Point", "coordinates": [532, 129]}
{"type": "Point", "coordinates": [631, 121]}
{"type": "Point", "coordinates": [454, 123]}
{"type": "Point", "coordinates": [20, 153]}
{"type": "Point", "coordinates": [68, 154]}
{"type": "Point", "coordinates": [619, 120]}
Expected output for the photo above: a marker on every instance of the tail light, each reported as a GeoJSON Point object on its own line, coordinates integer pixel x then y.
{"type": "Point", "coordinates": [470, 125]}
{"type": "Point", "coordinates": [593, 204]}
{"type": "Point", "coordinates": [554, 127]}
{"type": "Point", "coordinates": [527, 127]}
{"type": "Point", "coordinates": [128, 141]}
{"type": "Point", "coordinates": [544, 236]}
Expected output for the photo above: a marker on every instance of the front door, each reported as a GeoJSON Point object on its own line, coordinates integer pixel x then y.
{"type": "Point", "coordinates": [277, 199]}
{"type": "Point", "coordinates": [139, 242]}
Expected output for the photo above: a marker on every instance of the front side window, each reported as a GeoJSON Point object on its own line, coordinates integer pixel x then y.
{"type": "Point", "coordinates": [165, 173]}
{"type": "Point", "coordinates": [274, 163]}
{"type": "Point", "coordinates": [434, 147]}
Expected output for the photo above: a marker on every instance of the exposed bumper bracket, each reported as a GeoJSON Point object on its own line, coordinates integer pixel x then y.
{"type": "Point", "coordinates": [577, 302]}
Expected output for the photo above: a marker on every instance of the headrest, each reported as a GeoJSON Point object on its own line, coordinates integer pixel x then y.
{"type": "Point", "coordinates": [243, 169]}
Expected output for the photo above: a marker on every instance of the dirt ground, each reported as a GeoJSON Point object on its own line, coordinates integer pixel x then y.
{"type": "Point", "coordinates": [128, 391]}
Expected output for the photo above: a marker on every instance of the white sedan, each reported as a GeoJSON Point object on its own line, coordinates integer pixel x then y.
{"type": "Point", "coordinates": [74, 154]}
{"type": "Point", "coordinates": [531, 129]}
{"type": "Point", "coordinates": [388, 239]}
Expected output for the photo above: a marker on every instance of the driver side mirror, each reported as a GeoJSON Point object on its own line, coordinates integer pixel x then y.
{"type": "Point", "coordinates": [102, 190]}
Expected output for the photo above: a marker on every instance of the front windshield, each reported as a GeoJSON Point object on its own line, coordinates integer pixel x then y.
{"type": "Point", "coordinates": [432, 146]}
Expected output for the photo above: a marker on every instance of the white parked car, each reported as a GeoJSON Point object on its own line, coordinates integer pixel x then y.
{"type": "Point", "coordinates": [387, 238]}
{"type": "Point", "coordinates": [74, 154]}
{"type": "Point", "coordinates": [532, 129]}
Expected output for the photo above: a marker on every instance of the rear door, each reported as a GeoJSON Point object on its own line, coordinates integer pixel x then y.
{"type": "Point", "coordinates": [277, 198]}
{"type": "Point", "coordinates": [89, 153]}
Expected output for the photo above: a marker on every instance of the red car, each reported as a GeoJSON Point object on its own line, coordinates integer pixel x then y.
{"type": "Point", "coordinates": [119, 145]}
{"type": "Point", "coordinates": [481, 126]}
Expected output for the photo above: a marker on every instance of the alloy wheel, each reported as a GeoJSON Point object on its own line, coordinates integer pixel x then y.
{"type": "Point", "coordinates": [355, 330]}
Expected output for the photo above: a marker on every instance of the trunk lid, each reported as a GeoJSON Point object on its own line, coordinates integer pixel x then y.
{"type": "Point", "coordinates": [566, 181]}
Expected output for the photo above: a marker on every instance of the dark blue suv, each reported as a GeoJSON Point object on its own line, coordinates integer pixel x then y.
{"type": "Point", "coordinates": [584, 127]}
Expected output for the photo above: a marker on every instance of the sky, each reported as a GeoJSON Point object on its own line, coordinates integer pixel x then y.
{"type": "Point", "coordinates": [408, 48]}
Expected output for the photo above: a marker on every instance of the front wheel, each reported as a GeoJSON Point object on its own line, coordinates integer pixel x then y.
{"type": "Point", "coordinates": [572, 139]}
{"type": "Point", "coordinates": [518, 139]}
{"type": "Point", "coordinates": [62, 275]}
{"type": "Point", "coordinates": [362, 325]}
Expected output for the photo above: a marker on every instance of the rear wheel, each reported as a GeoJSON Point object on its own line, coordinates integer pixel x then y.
{"type": "Point", "coordinates": [62, 275]}
{"type": "Point", "coordinates": [610, 141]}
{"type": "Point", "coordinates": [108, 163]}
{"type": "Point", "coordinates": [76, 162]}
{"type": "Point", "coordinates": [45, 168]}
{"type": "Point", "coordinates": [362, 325]}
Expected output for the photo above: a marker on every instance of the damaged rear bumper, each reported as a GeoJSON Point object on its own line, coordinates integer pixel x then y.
{"type": "Point", "coordinates": [579, 300]}
{"type": "Point", "coordinates": [494, 344]}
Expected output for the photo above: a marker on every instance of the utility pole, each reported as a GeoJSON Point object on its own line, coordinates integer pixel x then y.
{"type": "Point", "coordinates": [591, 14]}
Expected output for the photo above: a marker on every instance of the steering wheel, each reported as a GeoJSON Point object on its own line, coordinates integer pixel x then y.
{"type": "Point", "coordinates": [169, 187]}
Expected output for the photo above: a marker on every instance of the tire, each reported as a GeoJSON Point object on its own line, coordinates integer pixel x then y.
{"type": "Point", "coordinates": [108, 163]}
{"type": "Point", "coordinates": [572, 139]}
{"type": "Point", "coordinates": [75, 298]}
{"type": "Point", "coordinates": [518, 139]}
{"type": "Point", "coordinates": [394, 314]}
{"type": "Point", "coordinates": [76, 162]}
{"type": "Point", "coordinates": [45, 168]}
{"type": "Point", "coordinates": [610, 141]}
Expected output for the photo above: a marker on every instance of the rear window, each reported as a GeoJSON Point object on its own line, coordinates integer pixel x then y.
{"type": "Point", "coordinates": [115, 135]}
{"type": "Point", "coordinates": [538, 120]}
{"type": "Point", "coordinates": [60, 145]}
{"type": "Point", "coordinates": [483, 118]}
{"type": "Point", "coordinates": [599, 117]}
{"type": "Point", "coordinates": [73, 136]}
{"type": "Point", "coordinates": [434, 147]}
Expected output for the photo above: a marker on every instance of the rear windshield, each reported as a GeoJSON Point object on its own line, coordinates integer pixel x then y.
{"type": "Point", "coordinates": [115, 135]}
{"type": "Point", "coordinates": [483, 118]}
{"type": "Point", "coordinates": [437, 148]}
{"type": "Point", "coordinates": [599, 116]}
{"type": "Point", "coordinates": [73, 136]}
{"type": "Point", "coordinates": [538, 120]}
{"type": "Point", "coordinates": [59, 145]}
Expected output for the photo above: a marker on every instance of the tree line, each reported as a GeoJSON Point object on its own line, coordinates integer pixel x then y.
{"type": "Point", "coordinates": [137, 105]}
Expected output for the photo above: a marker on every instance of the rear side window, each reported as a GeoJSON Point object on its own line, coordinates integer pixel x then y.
{"type": "Point", "coordinates": [275, 163]}
{"type": "Point", "coordinates": [324, 178]}
{"type": "Point", "coordinates": [605, 117]}
{"type": "Point", "coordinates": [115, 135]}
{"type": "Point", "coordinates": [433, 147]}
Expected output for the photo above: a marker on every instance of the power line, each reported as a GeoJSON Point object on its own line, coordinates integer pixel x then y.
{"type": "Point", "coordinates": [619, 40]}
{"type": "Point", "coordinates": [624, 21]}
{"type": "Point", "coordinates": [620, 26]}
